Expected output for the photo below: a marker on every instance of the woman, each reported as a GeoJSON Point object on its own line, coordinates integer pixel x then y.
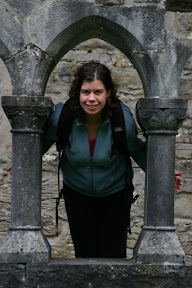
{"type": "Point", "coordinates": [94, 177]}
{"type": "Point", "coordinates": [93, 174]}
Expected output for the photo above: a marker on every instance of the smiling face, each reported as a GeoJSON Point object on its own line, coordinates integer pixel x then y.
{"type": "Point", "coordinates": [92, 89]}
{"type": "Point", "coordinates": [93, 97]}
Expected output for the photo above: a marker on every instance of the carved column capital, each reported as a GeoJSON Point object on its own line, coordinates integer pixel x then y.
{"type": "Point", "coordinates": [161, 115]}
{"type": "Point", "coordinates": [27, 114]}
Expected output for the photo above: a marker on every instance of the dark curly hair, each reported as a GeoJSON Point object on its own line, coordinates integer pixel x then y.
{"type": "Point", "coordinates": [89, 72]}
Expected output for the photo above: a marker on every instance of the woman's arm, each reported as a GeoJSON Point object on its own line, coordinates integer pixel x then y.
{"type": "Point", "coordinates": [50, 131]}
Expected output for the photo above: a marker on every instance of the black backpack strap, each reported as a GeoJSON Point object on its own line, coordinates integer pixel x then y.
{"type": "Point", "coordinates": [128, 195]}
{"type": "Point", "coordinates": [118, 130]}
{"type": "Point", "coordinates": [65, 123]}
{"type": "Point", "coordinates": [119, 138]}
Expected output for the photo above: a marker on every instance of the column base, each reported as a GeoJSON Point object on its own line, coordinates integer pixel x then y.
{"type": "Point", "coordinates": [25, 246]}
{"type": "Point", "coordinates": [158, 245]}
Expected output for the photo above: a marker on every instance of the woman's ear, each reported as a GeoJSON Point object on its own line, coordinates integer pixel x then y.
{"type": "Point", "coordinates": [108, 93]}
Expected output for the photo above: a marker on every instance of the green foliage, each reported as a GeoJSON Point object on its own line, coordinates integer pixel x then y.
{"type": "Point", "coordinates": [179, 5]}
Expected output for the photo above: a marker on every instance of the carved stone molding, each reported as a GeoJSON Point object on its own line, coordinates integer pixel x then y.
{"type": "Point", "coordinates": [161, 115]}
{"type": "Point", "coordinates": [26, 114]}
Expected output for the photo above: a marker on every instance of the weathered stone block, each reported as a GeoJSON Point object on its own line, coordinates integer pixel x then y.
{"type": "Point", "coordinates": [11, 39]}
{"type": "Point", "coordinates": [24, 9]}
{"type": "Point", "coordinates": [107, 273]}
{"type": "Point", "coordinates": [12, 276]}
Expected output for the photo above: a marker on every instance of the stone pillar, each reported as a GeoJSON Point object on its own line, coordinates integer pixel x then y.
{"type": "Point", "coordinates": [160, 118]}
{"type": "Point", "coordinates": [25, 241]}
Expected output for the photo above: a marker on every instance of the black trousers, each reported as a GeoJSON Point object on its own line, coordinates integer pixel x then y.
{"type": "Point", "coordinates": [98, 225]}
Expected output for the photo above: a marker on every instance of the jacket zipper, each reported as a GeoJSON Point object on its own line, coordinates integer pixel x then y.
{"type": "Point", "coordinates": [91, 164]}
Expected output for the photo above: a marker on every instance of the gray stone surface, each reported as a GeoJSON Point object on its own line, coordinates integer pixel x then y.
{"type": "Point", "coordinates": [33, 67]}
{"type": "Point", "coordinates": [18, 6]}
{"type": "Point", "coordinates": [11, 40]}
{"type": "Point", "coordinates": [109, 274]}
{"type": "Point", "coordinates": [158, 246]}
{"type": "Point", "coordinates": [12, 276]}
{"type": "Point", "coordinates": [31, 81]}
{"type": "Point", "coordinates": [95, 273]}
{"type": "Point", "coordinates": [25, 246]}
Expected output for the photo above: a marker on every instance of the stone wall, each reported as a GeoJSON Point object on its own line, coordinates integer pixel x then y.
{"type": "Point", "coordinates": [130, 90]}
{"type": "Point", "coordinates": [180, 24]}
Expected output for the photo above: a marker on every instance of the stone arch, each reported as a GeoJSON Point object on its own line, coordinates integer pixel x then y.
{"type": "Point", "coordinates": [114, 34]}
{"type": "Point", "coordinates": [130, 29]}
{"type": "Point", "coordinates": [53, 30]}
{"type": "Point", "coordinates": [181, 54]}
{"type": "Point", "coordinates": [58, 27]}
{"type": "Point", "coordinates": [4, 52]}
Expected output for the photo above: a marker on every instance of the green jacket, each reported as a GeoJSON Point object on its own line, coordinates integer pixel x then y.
{"type": "Point", "coordinates": [101, 174]}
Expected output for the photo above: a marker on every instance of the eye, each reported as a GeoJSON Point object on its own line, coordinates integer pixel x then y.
{"type": "Point", "coordinates": [85, 92]}
{"type": "Point", "coordinates": [98, 92]}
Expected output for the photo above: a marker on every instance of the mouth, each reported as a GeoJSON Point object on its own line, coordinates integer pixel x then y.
{"type": "Point", "coordinates": [92, 106]}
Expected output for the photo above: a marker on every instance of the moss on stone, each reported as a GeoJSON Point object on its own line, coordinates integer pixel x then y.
{"type": "Point", "coordinates": [179, 5]}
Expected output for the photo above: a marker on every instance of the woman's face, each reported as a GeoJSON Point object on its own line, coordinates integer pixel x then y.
{"type": "Point", "coordinates": [93, 97]}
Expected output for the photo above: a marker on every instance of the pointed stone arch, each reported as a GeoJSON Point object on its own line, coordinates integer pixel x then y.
{"type": "Point", "coordinates": [57, 27]}
{"type": "Point", "coordinates": [130, 29]}
{"type": "Point", "coordinates": [87, 21]}
{"type": "Point", "coordinates": [114, 34]}
{"type": "Point", "coordinates": [4, 52]}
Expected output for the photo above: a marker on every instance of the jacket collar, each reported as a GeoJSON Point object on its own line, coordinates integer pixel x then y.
{"type": "Point", "coordinates": [80, 122]}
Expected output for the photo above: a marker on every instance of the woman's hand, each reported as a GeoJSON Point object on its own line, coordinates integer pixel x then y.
{"type": "Point", "coordinates": [178, 181]}
{"type": "Point", "coordinates": [9, 169]}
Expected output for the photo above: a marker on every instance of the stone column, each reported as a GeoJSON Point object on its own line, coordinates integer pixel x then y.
{"type": "Point", "coordinates": [25, 241]}
{"type": "Point", "coordinates": [160, 118]}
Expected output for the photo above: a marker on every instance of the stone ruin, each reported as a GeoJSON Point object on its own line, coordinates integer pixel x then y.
{"type": "Point", "coordinates": [33, 39]}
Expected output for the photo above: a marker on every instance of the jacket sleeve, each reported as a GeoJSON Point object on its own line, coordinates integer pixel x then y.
{"type": "Point", "coordinates": [136, 147]}
{"type": "Point", "coordinates": [50, 131]}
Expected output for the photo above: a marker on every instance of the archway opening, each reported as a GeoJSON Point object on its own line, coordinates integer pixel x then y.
{"type": "Point", "coordinates": [130, 89]}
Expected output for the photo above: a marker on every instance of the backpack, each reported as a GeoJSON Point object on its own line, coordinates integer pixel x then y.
{"type": "Point", "coordinates": [65, 123]}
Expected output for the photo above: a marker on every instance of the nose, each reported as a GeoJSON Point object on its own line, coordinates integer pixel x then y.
{"type": "Point", "coordinates": [92, 96]}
